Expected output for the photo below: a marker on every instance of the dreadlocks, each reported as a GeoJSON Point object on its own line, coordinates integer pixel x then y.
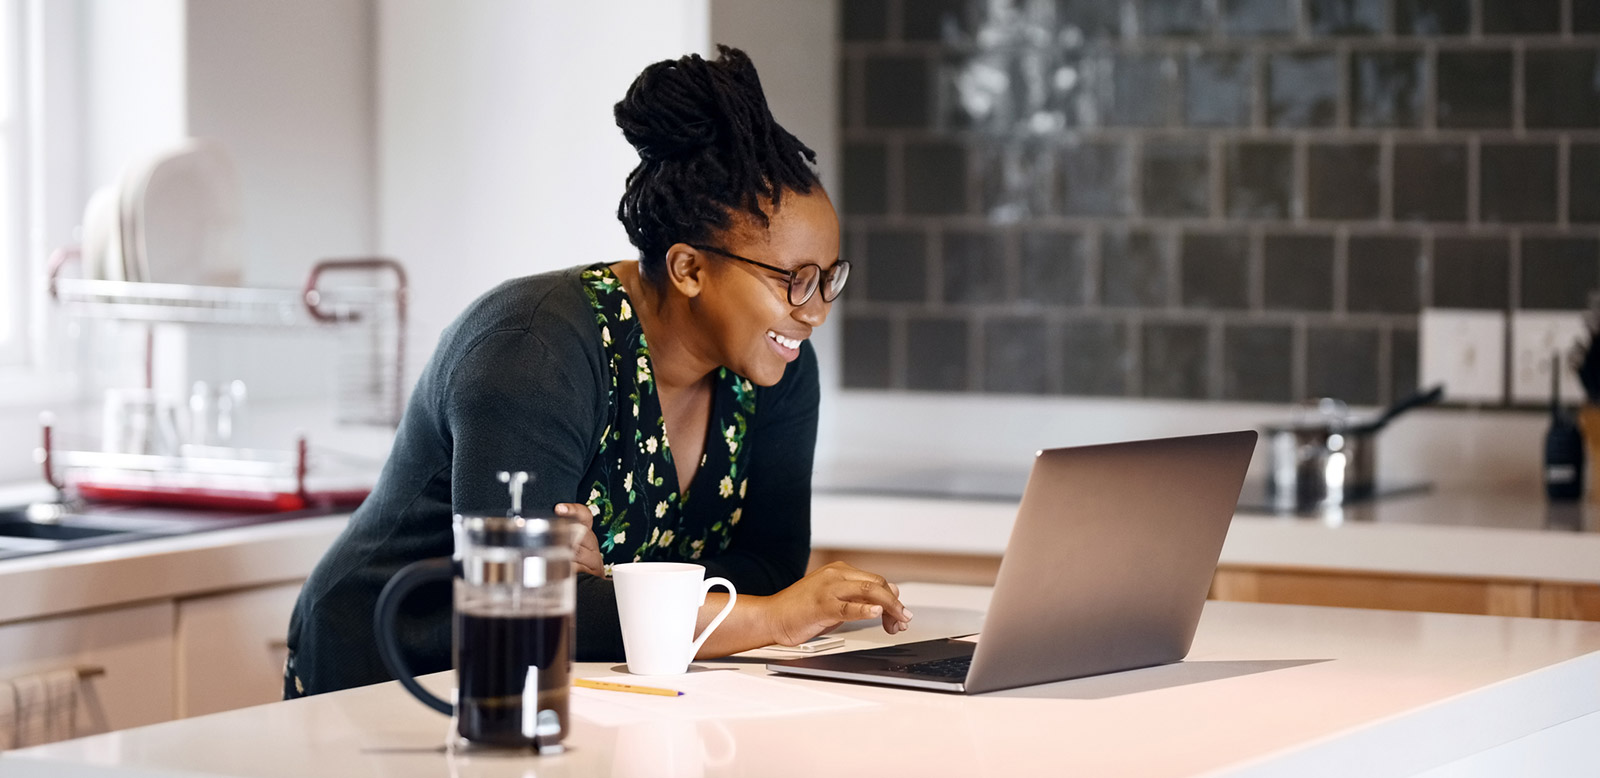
{"type": "Point", "coordinates": [708, 148]}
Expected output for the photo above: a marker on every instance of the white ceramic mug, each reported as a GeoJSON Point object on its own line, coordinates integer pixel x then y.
{"type": "Point", "coordinates": [658, 603]}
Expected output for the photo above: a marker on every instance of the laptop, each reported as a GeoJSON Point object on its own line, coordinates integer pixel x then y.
{"type": "Point", "coordinates": [1107, 569]}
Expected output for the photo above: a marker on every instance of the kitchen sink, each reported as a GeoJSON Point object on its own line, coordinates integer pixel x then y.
{"type": "Point", "coordinates": [47, 527]}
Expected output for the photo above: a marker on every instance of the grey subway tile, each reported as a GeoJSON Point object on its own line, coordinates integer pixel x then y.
{"type": "Point", "coordinates": [1430, 182]}
{"type": "Point", "coordinates": [1342, 363]}
{"type": "Point", "coordinates": [1016, 355]}
{"type": "Point", "coordinates": [1176, 18]}
{"type": "Point", "coordinates": [1585, 17]}
{"type": "Point", "coordinates": [1088, 20]}
{"type": "Point", "coordinates": [865, 169]}
{"type": "Point", "coordinates": [1523, 17]}
{"type": "Point", "coordinates": [936, 354]}
{"type": "Point", "coordinates": [1472, 272]}
{"type": "Point", "coordinates": [1095, 179]}
{"type": "Point", "coordinates": [866, 352]}
{"type": "Point", "coordinates": [1176, 179]}
{"type": "Point", "coordinates": [1175, 360]}
{"type": "Point", "coordinates": [1142, 90]}
{"type": "Point", "coordinates": [1432, 17]}
{"type": "Point", "coordinates": [1383, 274]}
{"type": "Point", "coordinates": [1258, 363]}
{"type": "Point", "coordinates": [896, 265]}
{"type": "Point", "coordinates": [898, 91]}
{"type": "Point", "coordinates": [1260, 180]}
{"type": "Point", "coordinates": [864, 20]}
{"type": "Point", "coordinates": [935, 177]}
{"type": "Point", "coordinates": [1096, 358]}
{"type": "Point", "coordinates": [1561, 88]}
{"type": "Point", "coordinates": [1259, 17]}
{"type": "Point", "coordinates": [1298, 272]}
{"type": "Point", "coordinates": [1342, 181]}
{"type": "Point", "coordinates": [1346, 17]}
{"type": "Point", "coordinates": [1583, 183]}
{"type": "Point", "coordinates": [1215, 271]}
{"type": "Point", "coordinates": [1302, 89]}
{"type": "Point", "coordinates": [1387, 88]}
{"type": "Point", "coordinates": [1135, 269]}
{"type": "Point", "coordinates": [1559, 273]}
{"type": "Point", "coordinates": [974, 267]}
{"type": "Point", "coordinates": [948, 21]}
{"type": "Point", "coordinates": [1518, 182]}
{"type": "Point", "coordinates": [1403, 358]}
{"type": "Point", "coordinates": [1474, 89]}
{"type": "Point", "coordinates": [1053, 268]}
{"type": "Point", "coordinates": [1017, 179]}
{"type": "Point", "coordinates": [1217, 88]}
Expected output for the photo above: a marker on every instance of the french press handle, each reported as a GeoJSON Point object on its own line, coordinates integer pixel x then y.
{"type": "Point", "coordinates": [394, 593]}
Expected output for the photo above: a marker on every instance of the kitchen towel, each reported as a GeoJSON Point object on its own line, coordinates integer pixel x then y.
{"type": "Point", "coordinates": [8, 716]}
{"type": "Point", "coordinates": [61, 689]}
{"type": "Point", "coordinates": [33, 710]}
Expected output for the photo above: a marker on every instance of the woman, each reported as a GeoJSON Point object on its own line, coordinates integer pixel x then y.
{"type": "Point", "coordinates": [582, 377]}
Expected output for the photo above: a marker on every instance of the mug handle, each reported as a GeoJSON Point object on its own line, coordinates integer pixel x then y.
{"type": "Point", "coordinates": [694, 648]}
{"type": "Point", "coordinates": [395, 592]}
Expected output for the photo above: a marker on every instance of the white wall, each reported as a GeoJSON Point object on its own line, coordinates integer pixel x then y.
{"type": "Point", "coordinates": [288, 87]}
{"type": "Point", "coordinates": [498, 155]}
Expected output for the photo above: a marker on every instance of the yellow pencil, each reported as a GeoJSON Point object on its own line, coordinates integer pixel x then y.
{"type": "Point", "coordinates": [589, 683]}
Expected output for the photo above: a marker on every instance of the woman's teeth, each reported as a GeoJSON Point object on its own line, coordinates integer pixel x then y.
{"type": "Point", "coordinates": [782, 341]}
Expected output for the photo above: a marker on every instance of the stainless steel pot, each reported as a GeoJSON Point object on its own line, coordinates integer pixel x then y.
{"type": "Point", "coordinates": [1325, 458]}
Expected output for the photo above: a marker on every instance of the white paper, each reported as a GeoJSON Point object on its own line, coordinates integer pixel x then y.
{"type": "Point", "coordinates": [711, 694]}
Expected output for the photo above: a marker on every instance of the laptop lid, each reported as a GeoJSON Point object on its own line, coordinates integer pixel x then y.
{"type": "Point", "coordinates": [1111, 558]}
{"type": "Point", "coordinates": [1107, 568]}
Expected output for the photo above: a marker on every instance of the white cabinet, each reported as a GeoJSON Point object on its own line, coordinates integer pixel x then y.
{"type": "Point", "coordinates": [230, 648]}
{"type": "Point", "coordinates": [133, 645]}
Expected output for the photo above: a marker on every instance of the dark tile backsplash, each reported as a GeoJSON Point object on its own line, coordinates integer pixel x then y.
{"type": "Point", "coordinates": [1222, 200]}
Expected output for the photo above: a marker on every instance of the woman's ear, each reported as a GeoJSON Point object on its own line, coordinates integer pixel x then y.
{"type": "Point", "coordinates": [686, 269]}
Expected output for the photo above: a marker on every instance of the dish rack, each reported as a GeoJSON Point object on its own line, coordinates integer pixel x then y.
{"type": "Point", "coordinates": [369, 321]}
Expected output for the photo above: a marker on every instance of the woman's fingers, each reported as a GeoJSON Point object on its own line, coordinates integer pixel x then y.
{"type": "Point", "coordinates": [588, 556]}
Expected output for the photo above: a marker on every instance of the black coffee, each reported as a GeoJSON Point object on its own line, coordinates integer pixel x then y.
{"type": "Point", "coordinates": [498, 660]}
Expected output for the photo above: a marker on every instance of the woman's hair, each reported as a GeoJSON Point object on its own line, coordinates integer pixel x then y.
{"type": "Point", "coordinates": [708, 149]}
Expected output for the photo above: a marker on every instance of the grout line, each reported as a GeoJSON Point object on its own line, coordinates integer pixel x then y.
{"type": "Point", "coordinates": [1563, 181]}
{"type": "Point", "coordinates": [1385, 363]}
{"type": "Point", "coordinates": [1297, 360]}
{"type": "Point", "coordinates": [1474, 182]}
{"type": "Point", "coordinates": [1475, 22]}
{"type": "Point", "coordinates": [1429, 266]}
{"type": "Point", "coordinates": [899, 346]}
{"type": "Point", "coordinates": [1515, 282]}
{"type": "Point", "coordinates": [1341, 271]}
{"type": "Point", "coordinates": [1386, 215]}
{"type": "Point", "coordinates": [1566, 18]}
{"type": "Point", "coordinates": [1257, 269]}
{"type": "Point", "coordinates": [1214, 373]}
{"type": "Point", "coordinates": [1519, 88]}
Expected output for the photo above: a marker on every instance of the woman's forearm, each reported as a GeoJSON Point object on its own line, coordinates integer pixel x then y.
{"type": "Point", "coordinates": [747, 627]}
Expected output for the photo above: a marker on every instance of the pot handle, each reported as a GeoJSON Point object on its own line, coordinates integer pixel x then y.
{"type": "Point", "coordinates": [1422, 397]}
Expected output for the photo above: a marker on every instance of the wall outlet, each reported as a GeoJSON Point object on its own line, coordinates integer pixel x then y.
{"type": "Point", "coordinates": [1465, 351]}
{"type": "Point", "coordinates": [1535, 336]}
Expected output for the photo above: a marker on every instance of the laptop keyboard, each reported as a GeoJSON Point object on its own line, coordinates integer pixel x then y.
{"type": "Point", "coordinates": [954, 667]}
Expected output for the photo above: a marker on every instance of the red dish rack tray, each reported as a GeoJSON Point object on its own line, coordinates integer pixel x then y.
{"type": "Point", "coordinates": [232, 478]}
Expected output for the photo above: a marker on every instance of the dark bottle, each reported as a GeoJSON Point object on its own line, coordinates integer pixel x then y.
{"type": "Point", "coordinates": [1563, 447]}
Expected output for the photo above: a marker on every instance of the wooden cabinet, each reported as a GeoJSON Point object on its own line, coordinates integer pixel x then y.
{"type": "Point", "coordinates": [230, 649]}
{"type": "Point", "coordinates": [132, 646]}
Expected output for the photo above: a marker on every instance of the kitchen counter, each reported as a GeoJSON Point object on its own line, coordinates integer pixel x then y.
{"type": "Point", "coordinates": [1488, 536]}
{"type": "Point", "coordinates": [1267, 690]}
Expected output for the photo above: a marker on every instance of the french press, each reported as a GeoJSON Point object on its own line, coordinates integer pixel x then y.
{"type": "Point", "coordinates": [515, 591]}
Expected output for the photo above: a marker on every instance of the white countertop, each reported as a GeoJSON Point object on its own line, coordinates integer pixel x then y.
{"type": "Point", "coordinates": [1455, 535]}
{"type": "Point", "coordinates": [1266, 690]}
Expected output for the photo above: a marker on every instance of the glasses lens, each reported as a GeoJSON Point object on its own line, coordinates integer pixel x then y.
{"type": "Point", "coordinates": [803, 284]}
{"type": "Point", "coordinates": [837, 275]}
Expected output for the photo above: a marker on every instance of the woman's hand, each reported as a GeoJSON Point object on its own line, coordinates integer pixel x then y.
{"type": "Point", "coordinates": [830, 596]}
{"type": "Point", "coordinates": [588, 550]}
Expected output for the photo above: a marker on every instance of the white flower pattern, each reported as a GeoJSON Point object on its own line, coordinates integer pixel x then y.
{"type": "Point", "coordinates": [631, 501]}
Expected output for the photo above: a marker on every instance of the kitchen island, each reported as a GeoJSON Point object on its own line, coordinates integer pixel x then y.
{"type": "Point", "coordinates": [1267, 690]}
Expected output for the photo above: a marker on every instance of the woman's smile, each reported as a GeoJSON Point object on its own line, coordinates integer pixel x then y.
{"type": "Point", "coordinates": [787, 347]}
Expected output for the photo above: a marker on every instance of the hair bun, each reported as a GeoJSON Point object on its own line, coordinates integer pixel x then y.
{"type": "Point", "coordinates": [675, 109]}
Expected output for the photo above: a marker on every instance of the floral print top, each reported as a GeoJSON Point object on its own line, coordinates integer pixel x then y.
{"type": "Point", "coordinates": [642, 513]}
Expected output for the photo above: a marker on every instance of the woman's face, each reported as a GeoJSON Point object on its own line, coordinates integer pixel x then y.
{"type": "Point", "coordinates": [749, 321]}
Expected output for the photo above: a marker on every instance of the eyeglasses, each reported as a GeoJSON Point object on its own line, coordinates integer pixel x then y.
{"type": "Point", "coordinates": [804, 280]}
